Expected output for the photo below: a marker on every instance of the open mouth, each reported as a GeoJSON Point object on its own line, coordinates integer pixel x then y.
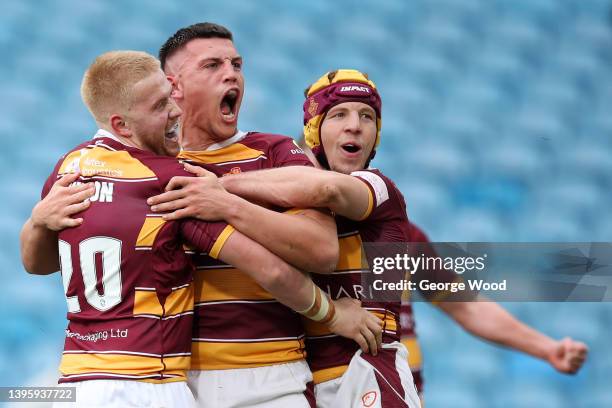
{"type": "Point", "coordinates": [173, 132]}
{"type": "Point", "coordinates": [351, 147]}
{"type": "Point", "coordinates": [229, 103]}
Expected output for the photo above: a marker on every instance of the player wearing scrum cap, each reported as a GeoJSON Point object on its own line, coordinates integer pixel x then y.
{"type": "Point", "coordinates": [342, 121]}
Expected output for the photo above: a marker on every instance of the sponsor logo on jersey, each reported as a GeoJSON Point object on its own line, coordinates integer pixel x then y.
{"type": "Point", "coordinates": [369, 398]}
{"type": "Point", "coordinates": [312, 107]}
{"type": "Point", "coordinates": [351, 88]}
{"type": "Point", "coordinates": [233, 170]}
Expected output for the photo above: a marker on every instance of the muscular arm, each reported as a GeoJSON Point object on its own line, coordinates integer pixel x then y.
{"type": "Point", "coordinates": [39, 253]}
{"type": "Point", "coordinates": [297, 291]}
{"type": "Point", "coordinates": [492, 322]}
{"type": "Point", "coordinates": [303, 187]}
{"type": "Point", "coordinates": [38, 238]}
{"type": "Point", "coordinates": [307, 239]}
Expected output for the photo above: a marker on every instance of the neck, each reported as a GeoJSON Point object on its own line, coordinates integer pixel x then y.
{"type": "Point", "coordinates": [196, 138]}
{"type": "Point", "coordinates": [121, 139]}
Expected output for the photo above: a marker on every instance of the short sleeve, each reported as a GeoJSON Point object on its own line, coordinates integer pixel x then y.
{"type": "Point", "coordinates": [286, 152]}
{"type": "Point", "coordinates": [385, 201]}
{"type": "Point", "coordinates": [206, 237]}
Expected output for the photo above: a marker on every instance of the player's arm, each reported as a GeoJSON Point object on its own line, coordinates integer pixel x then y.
{"type": "Point", "coordinates": [492, 322]}
{"type": "Point", "coordinates": [38, 238]}
{"type": "Point", "coordinates": [304, 187]}
{"type": "Point", "coordinates": [295, 289]}
{"type": "Point", "coordinates": [306, 238]}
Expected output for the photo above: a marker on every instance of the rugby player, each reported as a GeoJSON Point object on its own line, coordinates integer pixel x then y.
{"type": "Point", "coordinates": [342, 124]}
{"type": "Point", "coordinates": [243, 338]}
{"type": "Point", "coordinates": [127, 278]}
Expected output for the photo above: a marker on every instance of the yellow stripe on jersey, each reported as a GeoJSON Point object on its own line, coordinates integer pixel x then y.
{"type": "Point", "coordinates": [294, 211]}
{"type": "Point", "coordinates": [370, 205]}
{"type": "Point", "coordinates": [85, 363]}
{"type": "Point", "coordinates": [415, 358]}
{"type": "Point", "coordinates": [179, 301]}
{"type": "Point", "coordinates": [149, 231]}
{"type": "Point", "coordinates": [350, 253]}
{"type": "Point", "coordinates": [231, 153]}
{"type": "Point", "coordinates": [227, 355]}
{"type": "Point", "coordinates": [99, 161]}
{"type": "Point", "coordinates": [227, 284]}
{"type": "Point", "coordinates": [147, 302]}
{"type": "Point", "coordinates": [327, 374]}
{"type": "Point", "coordinates": [225, 234]}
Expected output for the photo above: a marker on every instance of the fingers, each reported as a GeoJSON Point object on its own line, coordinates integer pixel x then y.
{"type": "Point", "coordinates": [375, 325]}
{"type": "Point", "coordinates": [82, 195]}
{"type": "Point", "coordinates": [178, 182]}
{"type": "Point", "coordinates": [363, 343]}
{"type": "Point", "coordinates": [72, 222]}
{"type": "Point", "coordinates": [77, 208]}
{"type": "Point", "coordinates": [176, 204]}
{"type": "Point", "coordinates": [178, 214]}
{"type": "Point", "coordinates": [371, 339]}
{"type": "Point", "coordinates": [68, 179]}
{"type": "Point", "coordinates": [165, 197]}
{"type": "Point", "coordinates": [198, 171]}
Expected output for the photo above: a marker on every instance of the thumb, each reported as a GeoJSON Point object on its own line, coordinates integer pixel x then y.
{"type": "Point", "coordinates": [562, 347]}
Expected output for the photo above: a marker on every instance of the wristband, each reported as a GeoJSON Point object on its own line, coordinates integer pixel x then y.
{"type": "Point", "coordinates": [321, 309]}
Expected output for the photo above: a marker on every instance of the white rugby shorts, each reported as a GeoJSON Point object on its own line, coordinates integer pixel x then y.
{"type": "Point", "coordinates": [384, 381]}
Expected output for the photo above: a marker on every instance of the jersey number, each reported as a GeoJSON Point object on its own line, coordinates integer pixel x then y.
{"type": "Point", "coordinates": [110, 249]}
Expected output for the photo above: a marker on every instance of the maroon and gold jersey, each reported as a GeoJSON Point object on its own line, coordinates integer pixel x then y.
{"type": "Point", "coordinates": [237, 323]}
{"type": "Point", "coordinates": [385, 221]}
{"type": "Point", "coordinates": [408, 324]}
{"type": "Point", "coordinates": [127, 278]}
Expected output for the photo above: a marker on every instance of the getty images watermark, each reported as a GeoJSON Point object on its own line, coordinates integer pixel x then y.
{"type": "Point", "coordinates": [548, 272]}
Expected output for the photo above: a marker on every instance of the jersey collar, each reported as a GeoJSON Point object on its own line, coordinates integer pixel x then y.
{"type": "Point", "coordinates": [234, 139]}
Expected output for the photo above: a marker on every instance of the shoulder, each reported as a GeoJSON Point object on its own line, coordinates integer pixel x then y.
{"type": "Point", "coordinates": [386, 197]}
{"type": "Point", "coordinates": [281, 150]}
{"type": "Point", "coordinates": [164, 167]}
{"type": "Point", "coordinates": [271, 140]}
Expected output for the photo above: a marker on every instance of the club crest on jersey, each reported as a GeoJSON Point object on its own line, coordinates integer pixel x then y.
{"type": "Point", "coordinates": [233, 170]}
{"type": "Point", "coordinates": [312, 107]}
{"type": "Point", "coordinates": [355, 88]}
{"type": "Point", "coordinates": [369, 398]}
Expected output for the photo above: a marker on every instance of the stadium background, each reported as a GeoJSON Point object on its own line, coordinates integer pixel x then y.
{"type": "Point", "coordinates": [496, 126]}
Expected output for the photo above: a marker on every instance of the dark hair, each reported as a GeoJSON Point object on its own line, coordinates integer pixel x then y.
{"type": "Point", "coordinates": [186, 34]}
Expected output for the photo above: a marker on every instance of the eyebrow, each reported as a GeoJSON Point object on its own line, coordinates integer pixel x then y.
{"type": "Point", "coordinates": [218, 59]}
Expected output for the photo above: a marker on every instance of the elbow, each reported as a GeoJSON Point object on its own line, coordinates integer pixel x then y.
{"type": "Point", "coordinates": [327, 257]}
{"type": "Point", "coordinates": [275, 279]}
{"type": "Point", "coordinates": [34, 269]}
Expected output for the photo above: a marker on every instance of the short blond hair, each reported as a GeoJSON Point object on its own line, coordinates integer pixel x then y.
{"type": "Point", "coordinates": [108, 82]}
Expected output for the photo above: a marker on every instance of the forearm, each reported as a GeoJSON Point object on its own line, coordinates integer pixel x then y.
{"type": "Point", "coordinates": [301, 240]}
{"type": "Point", "coordinates": [492, 322]}
{"type": "Point", "coordinates": [294, 186]}
{"type": "Point", "coordinates": [284, 282]}
{"type": "Point", "coordinates": [39, 253]}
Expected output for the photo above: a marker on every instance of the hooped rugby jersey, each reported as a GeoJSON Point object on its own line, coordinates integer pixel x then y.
{"type": "Point", "coordinates": [408, 324]}
{"type": "Point", "coordinates": [237, 323]}
{"type": "Point", "coordinates": [127, 278]}
{"type": "Point", "coordinates": [384, 221]}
